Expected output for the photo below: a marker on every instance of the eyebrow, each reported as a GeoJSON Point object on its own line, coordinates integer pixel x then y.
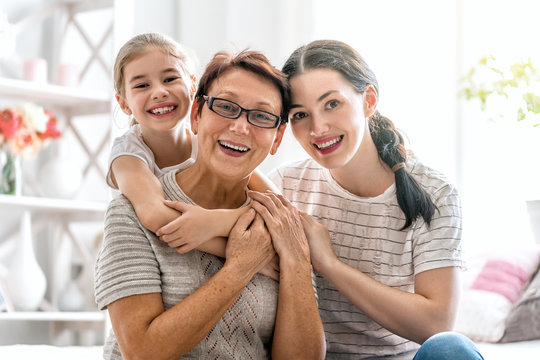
{"type": "Point", "coordinates": [321, 98]}
{"type": "Point", "coordinates": [168, 70]}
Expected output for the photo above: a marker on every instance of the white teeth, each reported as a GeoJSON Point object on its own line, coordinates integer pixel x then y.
{"type": "Point", "coordinates": [234, 147]}
{"type": "Point", "coordinates": [162, 110]}
{"type": "Point", "coordinates": [329, 143]}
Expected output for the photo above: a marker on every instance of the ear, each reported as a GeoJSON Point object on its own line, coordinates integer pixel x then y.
{"type": "Point", "coordinates": [123, 104]}
{"type": "Point", "coordinates": [193, 88]}
{"type": "Point", "coordinates": [278, 138]}
{"type": "Point", "coordinates": [370, 101]}
{"type": "Point", "coordinates": [194, 117]}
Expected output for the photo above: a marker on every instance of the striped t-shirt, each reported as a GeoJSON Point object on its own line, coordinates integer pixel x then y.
{"type": "Point", "coordinates": [366, 235]}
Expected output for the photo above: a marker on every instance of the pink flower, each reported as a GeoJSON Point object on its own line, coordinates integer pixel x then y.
{"type": "Point", "coordinates": [10, 122]}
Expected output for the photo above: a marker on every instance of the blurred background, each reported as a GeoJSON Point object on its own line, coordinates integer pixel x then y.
{"type": "Point", "coordinates": [420, 50]}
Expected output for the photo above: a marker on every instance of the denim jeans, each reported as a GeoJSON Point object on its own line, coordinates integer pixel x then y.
{"type": "Point", "coordinates": [448, 346]}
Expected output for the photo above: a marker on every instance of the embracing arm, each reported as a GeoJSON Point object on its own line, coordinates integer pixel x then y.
{"type": "Point", "coordinates": [415, 316]}
{"type": "Point", "coordinates": [145, 330]}
{"type": "Point", "coordinates": [142, 188]}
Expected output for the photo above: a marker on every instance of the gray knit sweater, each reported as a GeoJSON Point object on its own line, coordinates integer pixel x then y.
{"type": "Point", "coordinates": [134, 261]}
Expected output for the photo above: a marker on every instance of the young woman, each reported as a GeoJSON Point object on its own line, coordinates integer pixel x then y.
{"type": "Point", "coordinates": [165, 305]}
{"type": "Point", "coordinates": [384, 230]}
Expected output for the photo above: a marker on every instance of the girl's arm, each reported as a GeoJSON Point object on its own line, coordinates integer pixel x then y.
{"type": "Point", "coordinates": [142, 188]}
{"type": "Point", "coordinates": [415, 316]}
{"type": "Point", "coordinates": [144, 330]}
{"type": "Point", "coordinates": [195, 223]}
{"type": "Point", "coordinates": [298, 332]}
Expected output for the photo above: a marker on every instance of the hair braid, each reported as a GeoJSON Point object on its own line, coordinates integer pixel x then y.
{"type": "Point", "coordinates": [412, 199]}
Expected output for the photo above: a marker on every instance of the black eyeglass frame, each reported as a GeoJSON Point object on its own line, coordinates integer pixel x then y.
{"type": "Point", "coordinates": [209, 100]}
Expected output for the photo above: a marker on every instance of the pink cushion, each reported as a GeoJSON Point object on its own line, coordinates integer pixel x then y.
{"type": "Point", "coordinates": [502, 277]}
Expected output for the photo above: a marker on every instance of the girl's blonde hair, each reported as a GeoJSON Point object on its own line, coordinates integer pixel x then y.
{"type": "Point", "coordinates": [139, 44]}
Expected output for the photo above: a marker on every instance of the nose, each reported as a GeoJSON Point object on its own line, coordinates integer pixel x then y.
{"type": "Point", "coordinates": [160, 91]}
{"type": "Point", "coordinates": [240, 125]}
{"type": "Point", "coordinates": [318, 125]}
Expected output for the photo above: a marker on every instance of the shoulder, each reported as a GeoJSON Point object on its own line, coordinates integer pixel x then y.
{"type": "Point", "coordinates": [297, 169]}
{"type": "Point", "coordinates": [434, 182]}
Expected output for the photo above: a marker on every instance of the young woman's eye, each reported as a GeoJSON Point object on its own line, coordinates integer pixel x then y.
{"type": "Point", "coordinates": [332, 104]}
{"type": "Point", "coordinates": [298, 115]}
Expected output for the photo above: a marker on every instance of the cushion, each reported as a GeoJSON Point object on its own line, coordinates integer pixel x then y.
{"type": "Point", "coordinates": [494, 283]}
{"type": "Point", "coordinates": [523, 321]}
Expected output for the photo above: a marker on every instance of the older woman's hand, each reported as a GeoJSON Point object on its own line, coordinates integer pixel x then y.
{"type": "Point", "coordinates": [284, 224]}
{"type": "Point", "coordinates": [249, 247]}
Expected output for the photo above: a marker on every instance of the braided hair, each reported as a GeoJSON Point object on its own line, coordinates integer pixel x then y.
{"type": "Point", "coordinates": [413, 200]}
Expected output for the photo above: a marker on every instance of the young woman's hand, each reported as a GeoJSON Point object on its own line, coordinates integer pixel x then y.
{"type": "Point", "coordinates": [320, 245]}
{"type": "Point", "coordinates": [189, 230]}
{"type": "Point", "coordinates": [283, 222]}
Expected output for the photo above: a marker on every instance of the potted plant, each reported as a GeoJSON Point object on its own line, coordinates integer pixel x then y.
{"type": "Point", "coordinates": [507, 93]}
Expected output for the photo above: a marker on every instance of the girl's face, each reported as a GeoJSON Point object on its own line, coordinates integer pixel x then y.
{"type": "Point", "coordinates": [233, 148]}
{"type": "Point", "coordinates": [328, 116]}
{"type": "Point", "coordinates": [157, 91]}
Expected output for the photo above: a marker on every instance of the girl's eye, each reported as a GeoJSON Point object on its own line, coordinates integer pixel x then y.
{"type": "Point", "coordinates": [332, 104]}
{"type": "Point", "coordinates": [140, 86]}
{"type": "Point", "coordinates": [298, 115]}
{"type": "Point", "coordinates": [170, 79]}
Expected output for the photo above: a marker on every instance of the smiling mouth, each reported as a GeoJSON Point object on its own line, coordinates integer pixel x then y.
{"type": "Point", "coordinates": [329, 144]}
{"type": "Point", "coordinates": [162, 110]}
{"type": "Point", "coordinates": [233, 147]}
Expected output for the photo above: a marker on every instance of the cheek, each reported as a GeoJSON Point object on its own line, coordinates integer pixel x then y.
{"type": "Point", "coordinates": [300, 130]}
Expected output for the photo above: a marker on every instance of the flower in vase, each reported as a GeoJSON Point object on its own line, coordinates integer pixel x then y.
{"type": "Point", "coordinates": [26, 129]}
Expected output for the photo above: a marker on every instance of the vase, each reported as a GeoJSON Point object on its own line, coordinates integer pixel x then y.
{"type": "Point", "coordinates": [25, 281]}
{"type": "Point", "coordinates": [11, 175]}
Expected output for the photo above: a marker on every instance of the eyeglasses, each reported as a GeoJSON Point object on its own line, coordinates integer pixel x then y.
{"type": "Point", "coordinates": [232, 110]}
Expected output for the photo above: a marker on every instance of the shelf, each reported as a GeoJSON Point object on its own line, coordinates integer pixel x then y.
{"type": "Point", "coordinates": [72, 209]}
{"type": "Point", "coordinates": [82, 316]}
{"type": "Point", "coordinates": [76, 101]}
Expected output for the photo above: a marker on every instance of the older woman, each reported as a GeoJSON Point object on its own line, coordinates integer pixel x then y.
{"type": "Point", "coordinates": [196, 305]}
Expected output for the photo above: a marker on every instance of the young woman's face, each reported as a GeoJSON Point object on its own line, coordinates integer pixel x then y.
{"type": "Point", "coordinates": [157, 91]}
{"type": "Point", "coordinates": [328, 116]}
{"type": "Point", "coordinates": [233, 148]}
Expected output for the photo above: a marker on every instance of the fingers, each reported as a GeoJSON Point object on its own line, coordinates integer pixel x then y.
{"type": "Point", "coordinates": [169, 228]}
{"type": "Point", "coordinates": [246, 219]}
{"type": "Point", "coordinates": [268, 199]}
{"type": "Point", "coordinates": [178, 205]}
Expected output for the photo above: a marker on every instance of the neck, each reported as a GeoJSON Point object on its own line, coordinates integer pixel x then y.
{"type": "Point", "coordinates": [210, 191]}
{"type": "Point", "coordinates": [365, 175]}
{"type": "Point", "coordinates": [169, 148]}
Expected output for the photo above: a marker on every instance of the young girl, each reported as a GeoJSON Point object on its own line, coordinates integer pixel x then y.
{"type": "Point", "coordinates": [155, 82]}
{"type": "Point", "coordinates": [388, 252]}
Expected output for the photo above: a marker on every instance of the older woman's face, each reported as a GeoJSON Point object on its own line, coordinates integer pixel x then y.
{"type": "Point", "coordinates": [233, 148]}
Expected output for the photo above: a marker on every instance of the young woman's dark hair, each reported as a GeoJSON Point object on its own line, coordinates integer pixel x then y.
{"type": "Point", "coordinates": [252, 61]}
{"type": "Point", "coordinates": [335, 55]}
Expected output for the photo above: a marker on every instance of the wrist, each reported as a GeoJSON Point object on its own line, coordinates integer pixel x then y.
{"type": "Point", "coordinates": [327, 266]}
{"type": "Point", "coordinates": [237, 272]}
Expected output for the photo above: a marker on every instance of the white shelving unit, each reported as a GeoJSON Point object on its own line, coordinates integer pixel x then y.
{"type": "Point", "coordinates": [58, 215]}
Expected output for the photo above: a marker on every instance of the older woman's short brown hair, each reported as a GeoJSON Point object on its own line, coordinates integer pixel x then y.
{"type": "Point", "coordinates": [249, 60]}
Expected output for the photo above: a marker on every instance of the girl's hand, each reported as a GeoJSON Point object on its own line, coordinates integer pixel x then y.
{"type": "Point", "coordinates": [189, 230]}
{"type": "Point", "coordinates": [283, 222]}
{"type": "Point", "coordinates": [320, 245]}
